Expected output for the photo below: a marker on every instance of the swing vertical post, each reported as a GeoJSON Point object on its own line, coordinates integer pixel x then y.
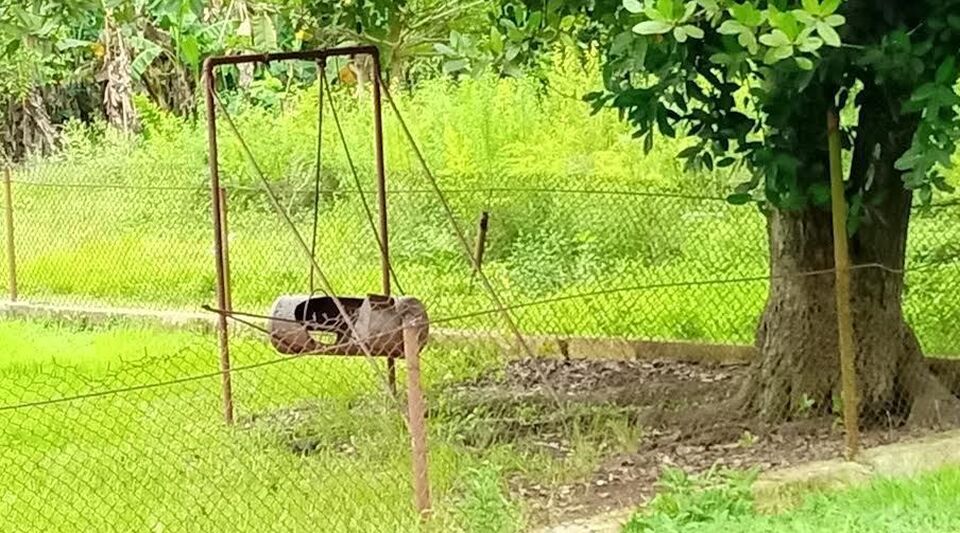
{"type": "Point", "coordinates": [217, 205]}
{"type": "Point", "coordinates": [382, 198]}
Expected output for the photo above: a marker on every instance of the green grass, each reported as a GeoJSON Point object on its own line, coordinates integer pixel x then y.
{"type": "Point", "coordinates": [317, 444]}
{"type": "Point", "coordinates": [721, 502]}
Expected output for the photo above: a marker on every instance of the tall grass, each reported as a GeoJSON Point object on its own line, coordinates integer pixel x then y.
{"type": "Point", "coordinates": [502, 146]}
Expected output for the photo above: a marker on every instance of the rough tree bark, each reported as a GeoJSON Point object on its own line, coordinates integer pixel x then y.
{"type": "Point", "coordinates": [797, 373]}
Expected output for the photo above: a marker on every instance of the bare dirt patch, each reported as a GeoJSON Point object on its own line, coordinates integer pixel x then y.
{"type": "Point", "coordinates": [679, 411]}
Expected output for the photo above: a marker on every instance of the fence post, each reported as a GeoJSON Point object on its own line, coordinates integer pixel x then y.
{"type": "Point", "coordinates": [481, 242]}
{"type": "Point", "coordinates": [11, 245]}
{"type": "Point", "coordinates": [841, 257]}
{"type": "Point", "coordinates": [416, 412]}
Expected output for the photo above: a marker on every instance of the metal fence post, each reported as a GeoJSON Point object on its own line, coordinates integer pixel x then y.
{"type": "Point", "coordinates": [416, 412]}
{"type": "Point", "coordinates": [848, 367]}
{"type": "Point", "coordinates": [11, 244]}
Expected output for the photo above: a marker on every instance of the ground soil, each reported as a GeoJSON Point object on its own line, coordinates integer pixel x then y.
{"type": "Point", "coordinates": [681, 408]}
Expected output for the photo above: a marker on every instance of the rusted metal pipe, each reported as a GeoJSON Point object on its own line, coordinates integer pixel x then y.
{"type": "Point", "coordinates": [305, 55]}
{"type": "Point", "coordinates": [416, 412]}
{"type": "Point", "coordinates": [11, 244]}
{"type": "Point", "coordinates": [381, 177]}
{"type": "Point", "coordinates": [382, 201]}
{"type": "Point", "coordinates": [217, 205]}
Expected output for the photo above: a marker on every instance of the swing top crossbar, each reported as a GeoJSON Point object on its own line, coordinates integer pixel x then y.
{"type": "Point", "coordinates": [212, 63]}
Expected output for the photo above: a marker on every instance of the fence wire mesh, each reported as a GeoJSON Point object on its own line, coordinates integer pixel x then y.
{"type": "Point", "coordinates": [640, 310]}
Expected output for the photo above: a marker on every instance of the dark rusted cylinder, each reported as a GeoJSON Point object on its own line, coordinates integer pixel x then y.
{"type": "Point", "coordinates": [373, 325]}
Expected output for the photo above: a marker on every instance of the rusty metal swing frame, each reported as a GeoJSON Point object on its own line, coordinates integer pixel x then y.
{"type": "Point", "coordinates": [218, 203]}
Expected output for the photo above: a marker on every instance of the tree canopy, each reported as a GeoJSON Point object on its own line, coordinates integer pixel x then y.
{"type": "Point", "coordinates": [751, 81]}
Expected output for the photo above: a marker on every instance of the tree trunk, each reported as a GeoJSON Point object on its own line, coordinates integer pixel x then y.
{"type": "Point", "coordinates": [798, 372]}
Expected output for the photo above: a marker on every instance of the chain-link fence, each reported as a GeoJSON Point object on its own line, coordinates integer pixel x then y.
{"type": "Point", "coordinates": [637, 314]}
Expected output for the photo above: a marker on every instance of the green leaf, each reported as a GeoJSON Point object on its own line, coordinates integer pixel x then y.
{"type": "Point", "coordinates": [648, 143]}
{"type": "Point", "coordinates": [775, 55]}
{"type": "Point", "coordinates": [622, 42]}
{"type": "Point", "coordinates": [679, 35]}
{"type": "Point", "coordinates": [732, 27]}
{"type": "Point", "coordinates": [741, 198]}
{"type": "Point", "coordinates": [804, 63]}
{"type": "Point", "coordinates": [828, 34]}
{"type": "Point", "coordinates": [689, 152]}
{"type": "Point", "coordinates": [811, 6]}
{"type": "Point", "coordinates": [664, 125]}
{"type": "Point", "coordinates": [747, 186]}
{"type": "Point", "coordinates": [747, 14]}
{"type": "Point", "coordinates": [445, 50]}
{"type": "Point", "coordinates": [908, 160]}
{"type": "Point", "coordinates": [820, 193]}
{"type": "Point", "coordinates": [941, 184]}
{"type": "Point", "coordinates": [829, 7]}
{"type": "Point", "coordinates": [69, 44]}
{"type": "Point", "coordinates": [144, 59]}
{"type": "Point", "coordinates": [693, 31]}
{"type": "Point", "coordinates": [534, 21]}
{"type": "Point", "coordinates": [190, 50]}
{"type": "Point", "coordinates": [805, 18]}
{"type": "Point", "coordinates": [749, 41]}
{"type": "Point", "coordinates": [633, 6]}
{"type": "Point", "coordinates": [496, 41]}
{"type": "Point", "coordinates": [946, 71]}
{"type": "Point", "coordinates": [710, 5]}
{"type": "Point", "coordinates": [775, 39]}
{"type": "Point", "coordinates": [810, 44]}
{"type": "Point", "coordinates": [665, 8]}
{"type": "Point", "coordinates": [720, 59]}
{"type": "Point", "coordinates": [265, 33]}
{"type": "Point", "coordinates": [835, 20]}
{"type": "Point", "coordinates": [454, 66]}
{"type": "Point", "coordinates": [926, 194]}
{"type": "Point", "coordinates": [652, 27]}
{"type": "Point", "coordinates": [786, 23]}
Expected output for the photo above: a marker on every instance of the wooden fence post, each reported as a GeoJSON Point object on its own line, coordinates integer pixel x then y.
{"type": "Point", "coordinates": [11, 244]}
{"type": "Point", "coordinates": [841, 256]}
{"type": "Point", "coordinates": [416, 412]}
